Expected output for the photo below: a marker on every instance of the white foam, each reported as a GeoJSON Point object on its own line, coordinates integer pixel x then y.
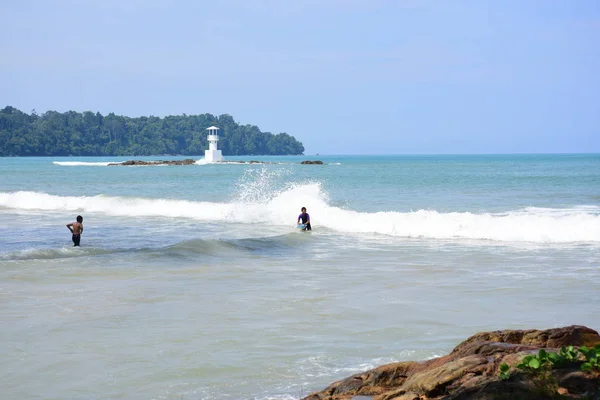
{"type": "Point", "coordinates": [118, 206]}
{"type": "Point", "coordinates": [257, 202]}
{"type": "Point", "coordinates": [203, 161]}
{"type": "Point", "coordinates": [84, 164]}
{"type": "Point", "coordinates": [517, 226]}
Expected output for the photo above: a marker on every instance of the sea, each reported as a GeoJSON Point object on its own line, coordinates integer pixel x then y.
{"type": "Point", "coordinates": [193, 281]}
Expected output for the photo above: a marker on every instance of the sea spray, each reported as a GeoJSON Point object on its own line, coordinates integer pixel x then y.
{"type": "Point", "coordinates": [263, 196]}
{"type": "Point", "coordinates": [259, 185]}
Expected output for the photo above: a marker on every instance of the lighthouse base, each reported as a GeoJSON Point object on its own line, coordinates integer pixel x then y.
{"type": "Point", "coordinates": [213, 155]}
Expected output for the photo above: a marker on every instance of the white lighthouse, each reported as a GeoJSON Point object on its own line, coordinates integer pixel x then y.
{"type": "Point", "coordinates": [212, 154]}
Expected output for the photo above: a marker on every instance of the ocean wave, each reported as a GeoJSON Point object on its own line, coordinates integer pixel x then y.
{"type": "Point", "coordinates": [526, 225]}
{"type": "Point", "coordinates": [54, 253]}
{"type": "Point", "coordinates": [229, 247]}
{"type": "Point", "coordinates": [280, 207]}
{"type": "Point", "coordinates": [185, 249]}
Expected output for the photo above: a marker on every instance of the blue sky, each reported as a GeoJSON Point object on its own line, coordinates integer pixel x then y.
{"type": "Point", "coordinates": [342, 76]}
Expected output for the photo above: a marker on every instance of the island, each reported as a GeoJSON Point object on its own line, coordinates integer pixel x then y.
{"type": "Point", "coordinates": [92, 134]}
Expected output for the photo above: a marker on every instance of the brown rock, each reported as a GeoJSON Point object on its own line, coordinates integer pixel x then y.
{"type": "Point", "coordinates": [574, 335]}
{"type": "Point", "coordinates": [407, 396]}
{"type": "Point", "coordinates": [577, 382]}
{"type": "Point", "coordinates": [471, 371]}
{"type": "Point", "coordinates": [187, 161]}
{"type": "Point", "coordinates": [434, 381]}
{"type": "Point", "coordinates": [312, 162]}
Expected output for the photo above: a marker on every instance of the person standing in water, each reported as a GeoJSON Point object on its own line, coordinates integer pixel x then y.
{"type": "Point", "coordinates": [76, 229]}
{"type": "Point", "coordinates": [305, 218]}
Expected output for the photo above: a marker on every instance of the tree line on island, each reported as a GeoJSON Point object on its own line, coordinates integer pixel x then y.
{"type": "Point", "coordinates": [92, 134]}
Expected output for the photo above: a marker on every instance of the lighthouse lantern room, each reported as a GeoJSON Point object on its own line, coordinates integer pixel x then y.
{"type": "Point", "coordinates": [212, 154]}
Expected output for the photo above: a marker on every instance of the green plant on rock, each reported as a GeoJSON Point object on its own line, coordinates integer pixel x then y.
{"type": "Point", "coordinates": [538, 367]}
{"type": "Point", "coordinates": [565, 356]}
{"type": "Point", "coordinates": [536, 362]}
{"type": "Point", "coordinates": [504, 372]}
{"type": "Point", "coordinates": [568, 353]}
{"type": "Point", "coordinates": [592, 358]}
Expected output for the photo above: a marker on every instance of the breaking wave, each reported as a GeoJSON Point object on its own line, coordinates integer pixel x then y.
{"type": "Point", "coordinates": [274, 207]}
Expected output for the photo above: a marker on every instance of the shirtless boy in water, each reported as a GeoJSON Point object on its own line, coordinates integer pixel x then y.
{"type": "Point", "coordinates": [76, 229]}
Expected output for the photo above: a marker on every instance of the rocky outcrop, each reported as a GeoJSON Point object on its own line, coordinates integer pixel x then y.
{"type": "Point", "coordinates": [187, 161]}
{"type": "Point", "coordinates": [472, 371]}
{"type": "Point", "coordinates": [190, 161]}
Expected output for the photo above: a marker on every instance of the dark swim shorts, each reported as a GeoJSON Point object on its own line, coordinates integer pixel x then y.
{"type": "Point", "coordinates": [76, 239]}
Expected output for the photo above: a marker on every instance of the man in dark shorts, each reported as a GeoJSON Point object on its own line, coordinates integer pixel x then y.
{"type": "Point", "coordinates": [76, 229]}
{"type": "Point", "coordinates": [305, 218]}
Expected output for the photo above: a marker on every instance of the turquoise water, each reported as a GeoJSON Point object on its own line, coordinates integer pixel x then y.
{"type": "Point", "coordinates": [193, 282]}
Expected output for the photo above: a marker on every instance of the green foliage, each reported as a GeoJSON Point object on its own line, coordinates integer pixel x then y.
{"type": "Point", "coordinates": [592, 358]}
{"type": "Point", "coordinates": [536, 362]}
{"type": "Point", "coordinates": [538, 367]}
{"type": "Point", "coordinates": [589, 359]}
{"type": "Point", "coordinates": [504, 371]}
{"type": "Point", "coordinates": [92, 134]}
{"type": "Point", "coordinates": [566, 355]}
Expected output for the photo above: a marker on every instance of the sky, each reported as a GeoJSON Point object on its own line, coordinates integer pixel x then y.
{"type": "Point", "coordinates": [341, 76]}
